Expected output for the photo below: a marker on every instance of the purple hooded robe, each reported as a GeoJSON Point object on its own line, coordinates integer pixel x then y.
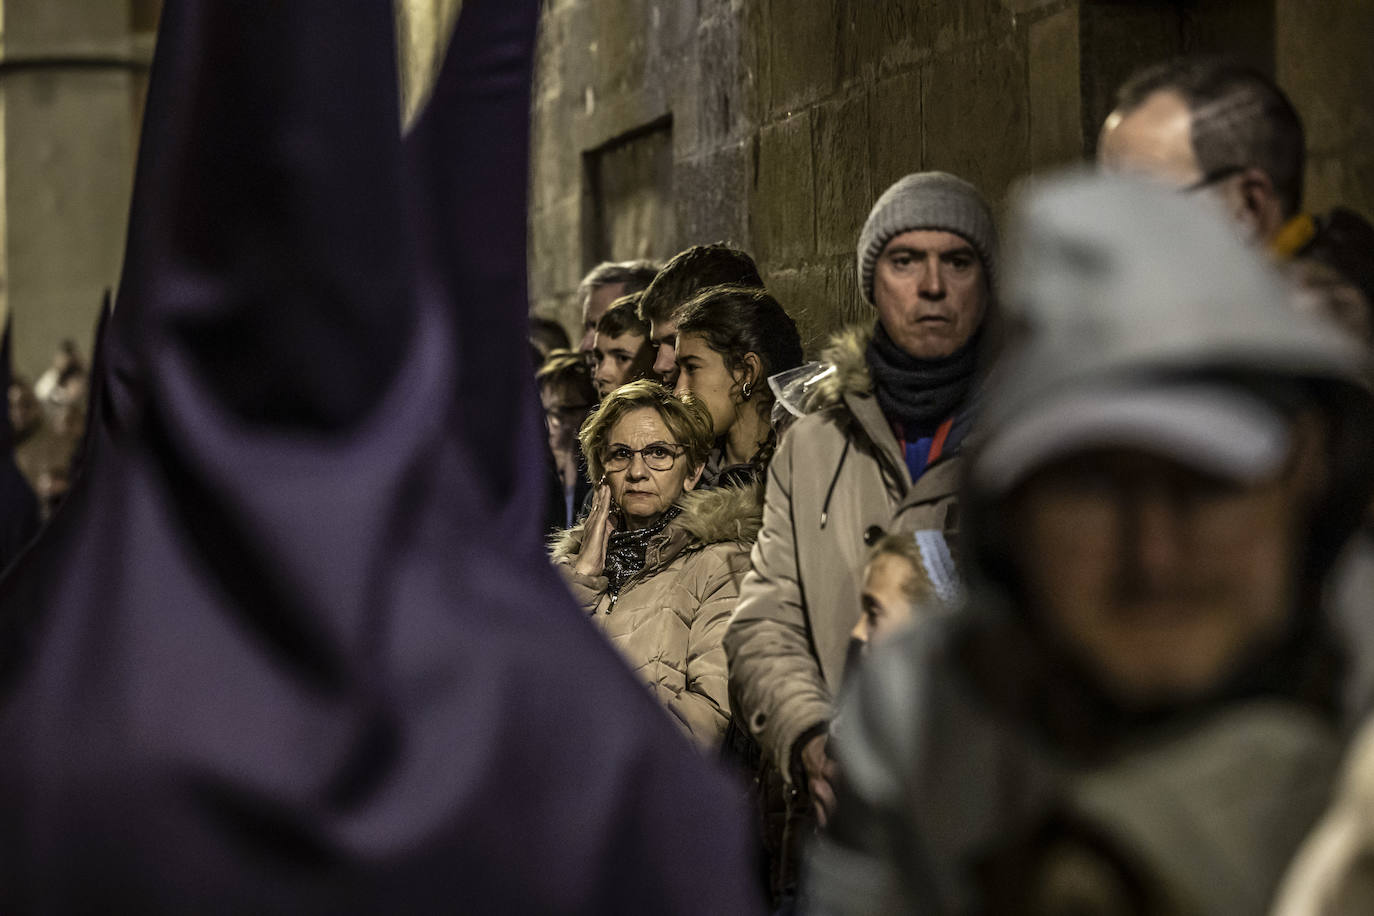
{"type": "Point", "coordinates": [292, 644]}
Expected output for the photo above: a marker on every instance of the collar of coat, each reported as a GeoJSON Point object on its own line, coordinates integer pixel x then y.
{"type": "Point", "coordinates": [851, 386]}
{"type": "Point", "coordinates": [724, 515]}
{"type": "Point", "coordinates": [846, 353]}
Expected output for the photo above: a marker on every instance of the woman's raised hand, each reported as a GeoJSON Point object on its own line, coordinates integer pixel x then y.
{"type": "Point", "coordinates": [596, 533]}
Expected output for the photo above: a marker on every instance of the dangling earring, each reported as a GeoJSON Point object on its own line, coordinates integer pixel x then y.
{"type": "Point", "coordinates": [748, 389]}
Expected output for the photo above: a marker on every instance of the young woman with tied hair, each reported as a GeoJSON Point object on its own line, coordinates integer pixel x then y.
{"type": "Point", "coordinates": [730, 339]}
{"type": "Point", "coordinates": [656, 563]}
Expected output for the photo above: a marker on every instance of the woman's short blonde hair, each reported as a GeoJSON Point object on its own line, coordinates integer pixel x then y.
{"type": "Point", "coordinates": [686, 418]}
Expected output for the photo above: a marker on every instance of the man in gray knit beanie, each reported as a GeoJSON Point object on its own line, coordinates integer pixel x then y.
{"type": "Point", "coordinates": [927, 259]}
{"type": "Point", "coordinates": [878, 452]}
{"type": "Point", "coordinates": [931, 202]}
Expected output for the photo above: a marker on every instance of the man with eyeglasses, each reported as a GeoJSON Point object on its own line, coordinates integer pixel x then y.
{"type": "Point", "coordinates": [1215, 127]}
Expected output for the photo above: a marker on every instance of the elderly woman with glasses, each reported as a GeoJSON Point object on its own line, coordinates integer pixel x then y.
{"type": "Point", "coordinates": [656, 564]}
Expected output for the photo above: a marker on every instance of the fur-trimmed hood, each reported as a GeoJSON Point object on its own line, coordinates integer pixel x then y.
{"type": "Point", "coordinates": [724, 515]}
{"type": "Point", "coordinates": [846, 368]}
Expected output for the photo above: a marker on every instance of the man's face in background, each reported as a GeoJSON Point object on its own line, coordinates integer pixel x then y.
{"type": "Point", "coordinates": [596, 304]}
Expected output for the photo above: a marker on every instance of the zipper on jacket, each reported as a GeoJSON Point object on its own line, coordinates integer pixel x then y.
{"type": "Point", "coordinates": [633, 580]}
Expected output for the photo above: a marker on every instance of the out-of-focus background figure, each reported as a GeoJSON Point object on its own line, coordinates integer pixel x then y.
{"type": "Point", "coordinates": [1218, 128]}
{"type": "Point", "coordinates": [19, 508]}
{"type": "Point", "coordinates": [1334, 272]}
{"type": "Point", "coordinates": [567, 395]}
{"type": "Point", "coordinates": [49, 421]}
{"type": "Point", "coordinates": [547, 335]}
{"type": "Point", "coordinates": [64, 382]}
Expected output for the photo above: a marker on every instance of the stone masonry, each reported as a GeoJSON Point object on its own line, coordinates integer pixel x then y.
{"type": "Point", "coordinates": [789, 117]}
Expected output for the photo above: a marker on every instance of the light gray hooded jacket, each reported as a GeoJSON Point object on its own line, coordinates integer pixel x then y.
{"type": "Point", "coordinates": [982, 771]}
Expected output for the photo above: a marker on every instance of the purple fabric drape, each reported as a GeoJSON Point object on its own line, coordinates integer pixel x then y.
{"type": "Point", "coordinates": [291, 644]}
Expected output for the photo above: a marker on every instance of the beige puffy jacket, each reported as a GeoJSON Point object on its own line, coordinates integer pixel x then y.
{"type": "Point", "coordinates": [669, 618]}
{"type": "Point", "coordinates": [838, 480]}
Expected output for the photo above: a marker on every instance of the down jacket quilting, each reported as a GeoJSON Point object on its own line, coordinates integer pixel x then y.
{"type": "Point", "coordinates": [668, 619]}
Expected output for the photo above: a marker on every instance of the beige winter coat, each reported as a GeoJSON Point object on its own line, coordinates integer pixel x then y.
{"type": "Point", "coordinates": [669, 618]}
{"type": "Point", "coordinates": [838, 476]}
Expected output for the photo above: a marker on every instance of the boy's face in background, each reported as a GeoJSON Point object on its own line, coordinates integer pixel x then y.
{"type": "Point", "coordinates": [889, 583]}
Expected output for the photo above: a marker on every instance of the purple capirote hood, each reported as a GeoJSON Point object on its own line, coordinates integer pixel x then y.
{"type": "Point", "coordinates": [292, 644]}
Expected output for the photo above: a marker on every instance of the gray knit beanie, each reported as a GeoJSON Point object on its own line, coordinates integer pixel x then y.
{"type": "Point", "coordinates": [928, 200]}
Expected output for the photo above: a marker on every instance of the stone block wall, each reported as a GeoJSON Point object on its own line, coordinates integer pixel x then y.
{"type": "Point", "coordinates": [70, 134]}
{"type": "Point", "coordinates": [788, 118]}
{"type": "Point", "coordinates": [1325, 60]}
{"type": "Point", "coordinates": [859, 94]}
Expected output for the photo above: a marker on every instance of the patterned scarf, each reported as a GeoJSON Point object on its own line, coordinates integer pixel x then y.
{"type": "Point", "coordinates": [626, 550]}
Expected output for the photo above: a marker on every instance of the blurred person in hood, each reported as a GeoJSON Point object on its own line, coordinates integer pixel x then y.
{"type": "Point", "coordinates": [1139, 709]}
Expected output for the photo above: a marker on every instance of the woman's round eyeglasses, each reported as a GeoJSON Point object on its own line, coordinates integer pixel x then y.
{"type": "Point", "coordinates": [660, 456]}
